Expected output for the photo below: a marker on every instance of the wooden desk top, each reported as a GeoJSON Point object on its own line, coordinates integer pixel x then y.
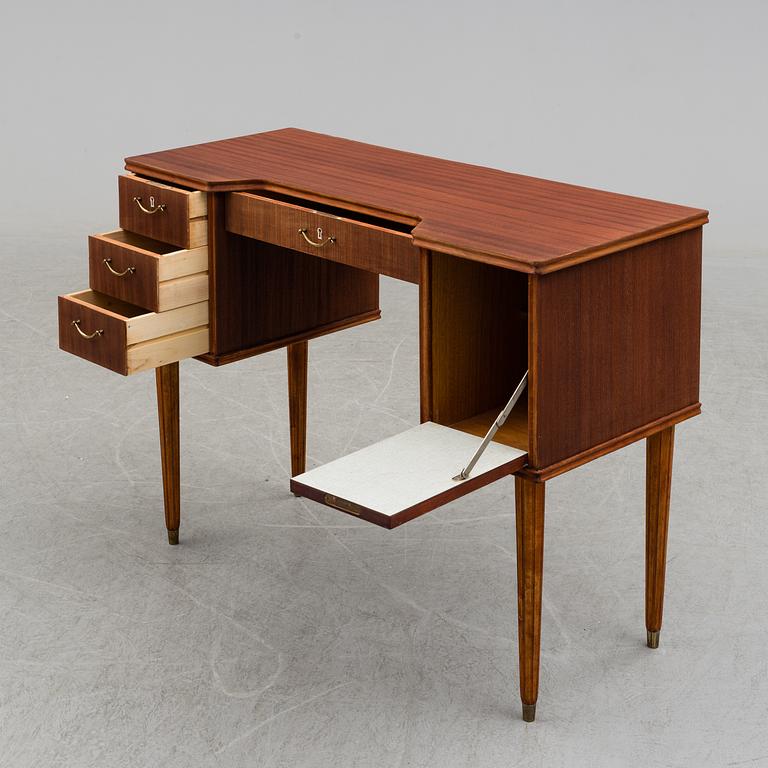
{"type": "Point", "coordinates": [522, 222]}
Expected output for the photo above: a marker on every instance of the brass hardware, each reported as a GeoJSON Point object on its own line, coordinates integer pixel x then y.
{"type": "Point", "coordinates": [152, 207]}
{"type": "Point", "coordinates": [653, 638]}
{"type": "Point", "coordinates": [329, 240]}
{"type": "Point", "coordinates": [494, 428]}
{"type": "Point", "coordinates": [85, 335]}
{"type": "Point", "coordinates": [529, 712]}
{"type": "Point", "coordinates": [173, 536]}
{"type": "Point", "coordinates": [128, 271]}
{"type": "Point", "coordinates": [343, 505]}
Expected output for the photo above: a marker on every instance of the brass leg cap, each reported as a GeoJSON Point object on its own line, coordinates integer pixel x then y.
{"type": "Point", "coordinates": [653, 639]}
{"type": "Point", "coordinates": [173, 536]}
{"type": "Point", "coordinates": [529, 712]}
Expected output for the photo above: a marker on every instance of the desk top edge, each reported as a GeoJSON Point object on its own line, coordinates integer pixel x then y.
{"type": "Point", "coordinates": [522, 222]}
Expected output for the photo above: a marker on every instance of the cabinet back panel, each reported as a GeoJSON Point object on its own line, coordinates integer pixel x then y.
{"type": "Point", "coordinates": [266, 293]}
{"type": "Point", "coordinates": [479, 336]}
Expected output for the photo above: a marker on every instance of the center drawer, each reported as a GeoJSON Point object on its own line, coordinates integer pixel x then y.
{"type": "Point", "coordinates": [146, 272]}
{"type": "Point", "coordinates": [349, 241]}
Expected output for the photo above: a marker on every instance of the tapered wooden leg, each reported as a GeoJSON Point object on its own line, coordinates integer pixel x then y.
{"type": "Point", "coordinates": [167, 379]}
{"type": "Point", "coordinates": [658, 485]}
{"type": "Point", "coordinates": [297, 404]}
{"type": "Point", "coordinates": [529, 517]}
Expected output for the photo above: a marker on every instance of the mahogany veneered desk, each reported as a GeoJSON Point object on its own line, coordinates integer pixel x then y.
{"type": "Point", "coordinates": [236, 247]}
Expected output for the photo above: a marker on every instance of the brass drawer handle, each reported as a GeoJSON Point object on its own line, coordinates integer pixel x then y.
{"type": "Point", "coordinates": [152, 207]}
{"type": "Point", "coordinates": [85, 335]}
{"type": "Point", "coordinates": [128, 271]}
{"type": "Point", "coordinates": [327, 241]}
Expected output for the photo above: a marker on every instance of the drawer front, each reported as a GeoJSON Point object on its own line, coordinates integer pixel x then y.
{"type": "Point", "coordinates": [124, 338]}
{"type": "Point", "coordinates": [145, 272]}
{"type": "Point", "coordinates": [347, 241]}
{"type": "Point", "coordinates": [165, 213]}
{"type": "Point", "coordinates": [107, 347]}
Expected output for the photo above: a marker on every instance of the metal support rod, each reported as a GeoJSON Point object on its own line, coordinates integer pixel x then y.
{"type": "Point", "coordinates": [499, 422]}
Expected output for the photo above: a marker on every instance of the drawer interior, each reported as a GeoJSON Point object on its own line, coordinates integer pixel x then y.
{"type": "Point", "coordinates": [133, 240]}
{"type": "Point", "coordinates": [109, 303]}
{"type": "Point", "coordinates": [395, 224]}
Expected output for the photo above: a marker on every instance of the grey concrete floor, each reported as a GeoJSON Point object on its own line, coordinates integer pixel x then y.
{"type": "Point", "coordinates": [281, 633]}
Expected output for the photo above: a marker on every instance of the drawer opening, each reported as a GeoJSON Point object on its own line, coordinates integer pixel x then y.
{"type": "Point", "coordinates": [132, 240]}
{"type": "Point", "coordinates": [406, 475]}
{"type": "Point", "coordinates": [109, 303]}
{"type": "Point", "coordinates": [344, 213]}
{"type": "Point", "coordinates": [477, 341]}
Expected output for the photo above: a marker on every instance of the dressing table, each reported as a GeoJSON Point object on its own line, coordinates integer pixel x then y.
{"type": "Point", "coordinates": [584, 303]}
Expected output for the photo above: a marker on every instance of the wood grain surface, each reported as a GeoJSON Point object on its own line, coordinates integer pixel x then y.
{"type": "Point", "coordinates": [107, 349]}
{"type": "Point", "coordinates": [265, 294]}
{"type": "Point", "coordinates": [297, 404]}
{"type": "Point", "coordinates": [658, 486]}
{"type": "Point", "coordinates": [529, 523]}
{"type": "Point", "coordinates": [131, 339]}
{"type": "Point", "coordinates": [358, 244]}
{"type": "Point", "coordinates": [478, 337]}
{"type": "Point", "coordinates": [514, 431]}
{"type": "Point", "coordinates": [182, 222]}
{"type": "Point", "coordinates": [139, 282]}
{"type": "Point", "coordinates": [167, 383]}
{"type": "Point", "coordinates": [522, 222]}
{"type": "Point", "coordinates": [608, 446]}
{"type": "Point", "coordinates": [142, 280]}
{"type": "Point", "coordinates": [425, 336]}
{"type": "Point", "coordinates": [616, 346]}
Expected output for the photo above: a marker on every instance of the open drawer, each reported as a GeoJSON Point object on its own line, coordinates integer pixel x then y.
{"type": "Point", "coordinates": [146, 272]}
{"type": "Point", "coordinates": [163, 212]}
{"type": "Point", "coordinates": [128, 339]}
{"type": "Point", "coordinates": [407, 475]}
{"type": "Point", "coordinates": [365, 242]}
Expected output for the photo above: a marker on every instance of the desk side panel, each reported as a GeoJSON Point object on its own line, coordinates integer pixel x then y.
{"type": "Point", "coordinates": [616, 345]}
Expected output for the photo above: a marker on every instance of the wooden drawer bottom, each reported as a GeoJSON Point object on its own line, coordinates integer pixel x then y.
{"type": "Point", "coordinates": [128, 339]}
